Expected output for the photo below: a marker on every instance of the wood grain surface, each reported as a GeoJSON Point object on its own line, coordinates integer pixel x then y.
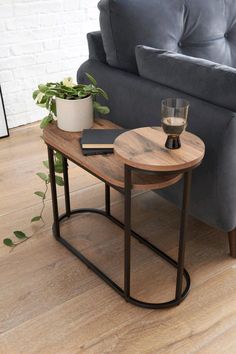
{"type": "Point", "coordinates": [51, 303]}
{"type": "Point", "coordinates": [144, 148]}
{"type": "Point", "coordinates": [105, 166]}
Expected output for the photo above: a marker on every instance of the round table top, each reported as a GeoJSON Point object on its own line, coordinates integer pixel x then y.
{"type": "Point", "coordinates": [144, 148]}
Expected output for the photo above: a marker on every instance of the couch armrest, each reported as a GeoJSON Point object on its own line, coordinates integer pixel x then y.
{"type": "Point", "coordinates": [197, 77]}
{"type": "Point", "coordinates": [96, 48]}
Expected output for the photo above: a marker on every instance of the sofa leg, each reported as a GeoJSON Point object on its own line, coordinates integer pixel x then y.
{"type": "Point", "coordinates": [232, 243]}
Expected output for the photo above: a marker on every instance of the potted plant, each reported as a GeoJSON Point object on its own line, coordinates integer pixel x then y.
{"type": "Point", "coordinates": [72, 104]}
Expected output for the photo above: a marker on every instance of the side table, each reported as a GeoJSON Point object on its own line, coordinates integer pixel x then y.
{"type": "Point", "coordinates": [144, 150]}
{"type": "Point", "coordinates": [140, 161]}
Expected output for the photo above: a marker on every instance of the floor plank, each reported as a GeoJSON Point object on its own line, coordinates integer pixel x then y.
{"type": "Point", "coordinates": [50, 303]}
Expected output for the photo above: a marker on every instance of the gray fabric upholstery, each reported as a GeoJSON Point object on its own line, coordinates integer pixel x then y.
{"type": "Point", "coordinates": [135, 102]}
{"type": "Point", "coordinates": [95, 44]}
{"type": "Point", "coordinates": [199, 28]}
{"type": "Point", "coordinates": [201, 78]}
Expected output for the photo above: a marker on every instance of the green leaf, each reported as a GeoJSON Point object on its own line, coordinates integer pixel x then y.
{"type": "Point", "coordinates": [51, 84]}
{"type": "Point", "coordinates": [46, 164]}
{"type": "Point", "coordinates": [58, 168]}
{"type": "Point", "coordinates": [36, 218]}
{"type": "Point", "coordinates": [51, 92]}
{"type": "Point", "coordinates": [46, 120]}
{"type": "Point", "coordinates": [47, 103]}
{"type": "Point", "coordinates": [89, 88]}
{"type": "Point", "coordinates": [40, 99]}
{"type": "Point", "coordinates": [58, 155]}
{"type": "Point", "coordinates": [43, 99]}
{"type": "Point", "coordinates": [43, 176]}
{"type": "Point", "coordinates": [42, 105]}
{"type": "Point", "coordinates": [68, 90]}
{"type": "Point", "coordinates": [20, 234]}
{"type": "Point", "coordinates": [91, 78]}
{"type": "Point", "coordinates": [79, 86]}
{"type": "Point", "coordinates": [101, 109]}
{"type": "Point", "coordinates": [42, 88]}
{"type": "Point", "coordinates": [59, 181]}
{"type": "Point", "coordinates": [35, 94]}
{"type": "Point", "coordinates": [40, 194]}
{"type": "Point", "coordinates": [58, 162]}
{"type": "Point", "coordinates": [8, 242]}
{"type": "Point", "coordinates": [102, 93]}
{"type": "Point", "coordinates": [82, 94]}
{"type": "Point", "coordinates": [53, 107]}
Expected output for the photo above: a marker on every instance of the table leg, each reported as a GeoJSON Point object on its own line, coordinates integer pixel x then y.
{"type": "Point", "coordinates": [183, 231]}
{"type": "Point", "coordinates": [107, 199]}
{"type": "Point", "coordinates": [53, 192]}
{"type": "Point", "coordinates": [66, 186]}
{"type": "Point", "coordinates": [127, 219]}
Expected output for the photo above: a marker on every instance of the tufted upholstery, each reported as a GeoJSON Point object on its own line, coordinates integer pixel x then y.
{"type": "Point", "coordinates": [199, 28]}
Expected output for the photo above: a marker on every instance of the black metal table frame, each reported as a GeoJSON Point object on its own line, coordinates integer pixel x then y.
{"type": "Point", "coordinates": [180, 294]}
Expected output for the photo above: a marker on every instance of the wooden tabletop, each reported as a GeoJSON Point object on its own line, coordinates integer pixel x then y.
{"type": "Point", "coordinates": [144, 148]}
{"type": "Point", "coordinates": [106, 167]}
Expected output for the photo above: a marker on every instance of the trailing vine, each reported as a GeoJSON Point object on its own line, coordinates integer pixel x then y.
{"type": "Point", "coordinates": [21, 236]}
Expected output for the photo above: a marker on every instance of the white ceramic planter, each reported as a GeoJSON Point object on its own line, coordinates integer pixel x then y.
{"type": "Point", "coordinates": [74, 115]}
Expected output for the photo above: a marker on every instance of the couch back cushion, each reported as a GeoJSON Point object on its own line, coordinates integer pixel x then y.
{"type": "Point", "coordinates": [215, 83]}
{"type": "Point", "coordinates": [199, 28]}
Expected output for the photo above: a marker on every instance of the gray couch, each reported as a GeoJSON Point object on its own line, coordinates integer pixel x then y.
{"type": "Point", "coordinates": [148, 50]}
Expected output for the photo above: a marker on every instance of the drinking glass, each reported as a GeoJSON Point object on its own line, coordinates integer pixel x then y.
{"type": "Point", "coordinates": [174, 113]}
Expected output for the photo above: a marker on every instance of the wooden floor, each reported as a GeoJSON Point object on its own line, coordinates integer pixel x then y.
{"type": "Point", "coordinates": [50, 303]}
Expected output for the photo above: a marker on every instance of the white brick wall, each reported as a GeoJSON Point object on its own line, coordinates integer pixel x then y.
{"type": "Point", "coordinates": [40, 41]}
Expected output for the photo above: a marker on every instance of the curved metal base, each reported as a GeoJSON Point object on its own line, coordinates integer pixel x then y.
{"type": "Point", "coordinates": [108, 280]}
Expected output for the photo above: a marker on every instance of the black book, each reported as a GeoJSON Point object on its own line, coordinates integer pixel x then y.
{"type": "Point", "coordinates": [99, 141]}
{"type": "Point", "coordinates": [89, 152]}
{"type": "Point", "coordinates": [100, 138]}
